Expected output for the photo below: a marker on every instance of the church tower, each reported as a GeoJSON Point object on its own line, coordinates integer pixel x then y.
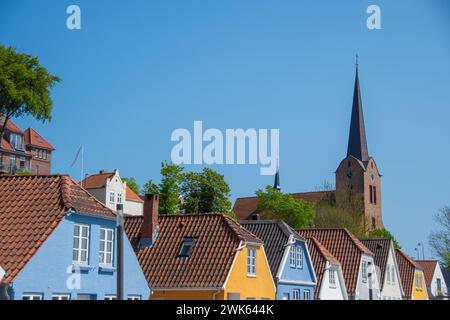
{"type": "Point", "coordinates": [358, 182]}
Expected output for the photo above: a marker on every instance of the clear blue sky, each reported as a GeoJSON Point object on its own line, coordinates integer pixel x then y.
{"type": "Point", "coordinates": [140, 69]}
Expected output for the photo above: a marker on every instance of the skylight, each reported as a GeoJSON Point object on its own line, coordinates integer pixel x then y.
{"type": "Point", "coordinates": [186, 247]}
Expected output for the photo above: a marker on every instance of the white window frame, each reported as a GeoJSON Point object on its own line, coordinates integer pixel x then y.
{"type": "Point", "coordinates": [332, 277]}
{"type": "Point", "coordinates": [251, 262]}
{"type": "Point", "coordinates": [112, 197]}
{"type": "Point", "coordinates": [292, 256]}
{"type": "Point", "coordinates": [32, 296]}
{"type": "Point", "coordinates": [79, 249]}
{"type": "Point", "coordinates": [388, 275]}
{"type": "Point", "coordinates": [296, 294]}
{"type": "Point", "coordinates": [393, 274]}
{"type": "Point", "coordinates": [119, 197]}
{"type": "Point", "coordinates": [103, 248]}
{"type": "Point", "coordinates": [134, 297]}
{"type": "Point", "coordinates": [110, 297]}
{"type": "Point", "coordinates": [61, 296]}
{"type": "Point", "coordinates": [364, 271]}
{"type": "Point", "coordinates": [306, 295]}
{"type": "Point", "coordinates": [299, 257]}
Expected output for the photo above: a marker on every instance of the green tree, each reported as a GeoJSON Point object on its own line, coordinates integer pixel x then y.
{"type": "Point", "coordinates": [331, 216]}
{"type": "Point", "coordinates": [277, 205]}
{"type": "Point", "coordinates": [24, 87]}
{"type": "Point", "coordinates": [439, 240]}
{"type": "Point", "coordinates": [169, 189]}
{"type": "Point", "coordinates": [383, 233]}
{"type": "Point", "coordinates": [150, 188]}
{"type": "Point", "coordinates": [132, 184]}
{"type": "Point", "coordinates": [205, 191]}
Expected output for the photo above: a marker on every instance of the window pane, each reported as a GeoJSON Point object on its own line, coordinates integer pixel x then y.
{"type": "Point", "coordinates": [84, 244]}
{"type": "Point", "coordinates": [102, 234]}
{"type": "Point", "coordinates": [83, 256]}
{"type": "Point", "coordinates": [76, 230]}
{"type": "Point", "coordinates": [85, 231]}
{"type": "Point", "coordinates": [75, 255]}
{"type": "Point", "coordinates": [110, 235]}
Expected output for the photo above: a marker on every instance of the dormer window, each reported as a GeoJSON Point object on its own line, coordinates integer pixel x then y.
{"type": "Point", "coordinates": [17, 141]}
{"type": "Point", "coordinates": [186, 247]}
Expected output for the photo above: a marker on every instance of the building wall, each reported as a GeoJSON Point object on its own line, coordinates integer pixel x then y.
{"type": "Point", "coordinates": [419, 292]}
{"type": "Point", "coordinates": [259, 287]}
{"type": "Point", "coordinates": [49, 271]}
{"type": "Point", "coordinates": [362, 288]}
{"type": "Point", "coordinates": [115, 185]}
{"type": "Point", "coordinates": [40, 166]}
{"type": "Point", "coordinates": [134, 208]}
{"type": "Point", "coordinates": [304, 276]}
{"type": "Point", "coordinates": [328, 291]}
{"type": "Point", "coordinates": [392, 289]}
{"type": "Point", "coordinates": [360, 182]}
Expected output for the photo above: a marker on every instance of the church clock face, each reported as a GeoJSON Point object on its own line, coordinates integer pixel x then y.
{"type": "Point", "coordinates": [349, 174]}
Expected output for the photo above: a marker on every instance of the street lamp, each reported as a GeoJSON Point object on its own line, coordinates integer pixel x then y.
{"type": "Point", "coordinates": [420, 244]}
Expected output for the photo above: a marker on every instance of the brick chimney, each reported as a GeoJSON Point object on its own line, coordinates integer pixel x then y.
{"type": "Point", "coordinates": [149, 228]}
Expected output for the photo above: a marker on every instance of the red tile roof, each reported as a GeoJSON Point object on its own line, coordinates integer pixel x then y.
{"type": "Point", "coordinates": [345, 247]}
{"type": "Point", "coordinates": [429, 267]}
{"type": "Point", "coordinates": [132, 196]}
{"type": "Point", "coordinates": [11, 126]}
{"type": "Point", "coordinates": [407, 268]}
{"type": "Point", "coordinates": [96, 181]}
{"type": "Point", "coordinates": [217, 238]}
{"type": "Point", "coordinates": [31, 208]}
{"type": "Point", "coordinates": [319, 257]}
{"type": "Point", "coordinates": [245, 207]}
{"type": "Point", "coordinates": [32, 138]}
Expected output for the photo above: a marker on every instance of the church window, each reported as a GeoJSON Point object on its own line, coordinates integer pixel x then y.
{"type": "Point", "coordinates": [349, 164]}
{"type": "Point", "coordinates": [374, 195]}
{"type": "Point", "coordinates": [371, 194]}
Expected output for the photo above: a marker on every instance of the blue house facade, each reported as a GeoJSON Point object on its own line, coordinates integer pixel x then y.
{"type": "Point", "coordinates": [69, 254]}
{"type": "Point", "coordinates": [289, 258]}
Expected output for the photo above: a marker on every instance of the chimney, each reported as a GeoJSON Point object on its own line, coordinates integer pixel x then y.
{"type": "Point", "coordinates": [101, 172]}
{"type": "Point", "coordinates": [149, 228]}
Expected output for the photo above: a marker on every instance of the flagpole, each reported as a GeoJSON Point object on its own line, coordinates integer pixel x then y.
{"type": "Point", "coordinates": [82, 164]}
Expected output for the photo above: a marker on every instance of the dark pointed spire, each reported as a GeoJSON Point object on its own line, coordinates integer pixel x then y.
{"type": "Point", "coordinates": [357, 143]}
{"type": "Point", "coordinates": [276, 184]}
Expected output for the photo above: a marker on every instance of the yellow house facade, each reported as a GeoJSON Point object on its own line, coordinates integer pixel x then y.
{"type": "Point", "coordinates": [419, 291]}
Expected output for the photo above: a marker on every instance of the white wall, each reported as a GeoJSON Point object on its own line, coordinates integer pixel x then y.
{"type": "Point", "coordinates": [438, 275]}
{"type": "Point", "coordinates": [328, 292]}
{"type": "Point", "coordinates": [362, 287]}
{"type": "Point", "coordinates": [134, 208]}
{"type": "Point", "coordinates": [391, 289]}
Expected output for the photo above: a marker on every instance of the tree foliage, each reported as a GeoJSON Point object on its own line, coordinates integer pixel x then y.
{"type": "Point", "coordinates": [205, 191]}
{"type": "Point", "coordinates": [331, 216]}
{"type": "Point", "coordinates": [132, 184]}
{"type": "Point", "coordinates": [170, 188]}
{"type": "Point", "coordinates": [24, 87]}
{"type": "Point", "coordinates": [150, 188]}
{"type": "Point", "coordinates": [274, 204]}
{"type": "Point", "coordinates": [439, 240]}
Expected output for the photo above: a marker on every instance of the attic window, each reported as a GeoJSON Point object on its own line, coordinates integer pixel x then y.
{"type": "Point", "coordinates": [186, 247]}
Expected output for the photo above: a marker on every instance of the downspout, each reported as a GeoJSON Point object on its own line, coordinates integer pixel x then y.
{"type": "Point", "coordinates": [216, 293]}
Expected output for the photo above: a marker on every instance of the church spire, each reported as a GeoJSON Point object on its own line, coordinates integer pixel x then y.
{"type": "Point", "coordinates": [276, 184]}
{"type": "Point", "coordinates": [357, 143]}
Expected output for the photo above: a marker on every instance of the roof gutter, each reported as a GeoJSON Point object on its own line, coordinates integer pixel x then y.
{"type": "Point", "coordinates": [91, 215]}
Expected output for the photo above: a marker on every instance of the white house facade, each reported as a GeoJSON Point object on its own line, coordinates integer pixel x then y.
{"type": "Point", "coordinates": [387, 267]}
{"type": "Point", "coordinates": [368, 286]}
{"type": "Point", "coordinates": [333, 283]}
{"type": "Point", "coordinates": [110, 189]}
